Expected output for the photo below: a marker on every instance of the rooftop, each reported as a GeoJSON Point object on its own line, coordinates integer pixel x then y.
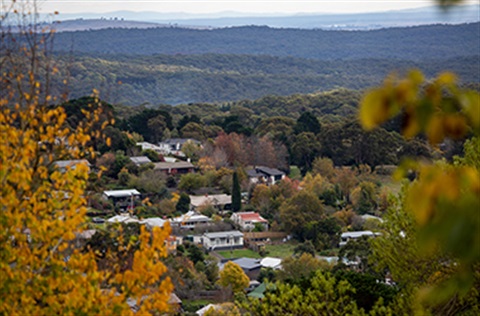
{"type": "Point", "coordinates": [357, 234]}
{"type": "Point", "coordinates": [251, 216]}
{"type": "Point", "coordinates": [231, 233]}
{"type": "Point", "coordinates": [172, 165]}
{"type": "Point", "coordinates": [153, 222]}
{"type": "Point", "coordinates": [71, 163]}
{"type": "Point", "coordinates": [121, 193]}
{"type": "Point", "coordinates": [173, 141]}
{"type": "Point", "coordinates": [191, 216]}
{"type": "Point", "coordinates": [248, 263]}
{"type": "Point", "coordinates": [270, 262]}
{"type": "Point", "coordinates": [214, 199]}
{"type": "Point", "coordinates": [122, 219]}
{"type": "Point", "coordinates": [140, 160]}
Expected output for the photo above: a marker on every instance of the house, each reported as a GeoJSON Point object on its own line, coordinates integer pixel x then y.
{"type": "Point", "coordinates": [248, 220]}
{"type": "Point", "coordinates": [345, 237]}
{"type": "Point", "coordinates": [269, 262]}
{"type": "Point", "coordinates": [122, 219]}
{"type": "Point", "coordinates": [220, 201]}
{"type": "Point", "coordinates": [190, 220]}
{"type": "Point", "coordinates": [123, 200]}
{"type": "Point", "coordinates": [153, 222]}
{"type": "Point", "coordinates": [140, 160]}
{"type": "Point", "coordinates": [63, 165]}
{"type": "Point", "coordinates": [171, 243]}
{"type": "Point", "coordinates": [223, 240]}
{"type": "Point", "coordinates": [173, 168]}
{"type": "Point", "coordinates": [250, 266]}
{"type": "Point", "coordinates": [155, 148]}
{"type": "Point", "coordinates": [175, 303]}
{"type": "Point", "coordinates": [174, 145]}
{"type": "Point", "coordinates": [265, 175]}
{"type": "Point", "coordinates": [259, 291]}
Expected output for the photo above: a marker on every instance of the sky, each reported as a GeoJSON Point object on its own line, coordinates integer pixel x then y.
{"type": "Point", "coordinates": [243, 6]}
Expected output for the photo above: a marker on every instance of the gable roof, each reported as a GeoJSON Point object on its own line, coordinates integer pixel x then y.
{"type": "Point", "coordinates": [153, 222]}
{"type": "Point", "coordinates": [259, 291]}
{"type": "Point", "coordinates": [270, 171]}
{"type": "Point", "coordinates": [231, 233]}
{"type": "Point", "coordinates": [251, 216]}
{"type": "Point", "coordinates": [261, 171]}
{"type": "Point", "coordinates": [140, 160]}
{"type": "Point", "coordinates": [214, 199]}
{"type": "Point", "coordinates": [248, 263]}
{"type": "Point", "coordinates": [122, 219]}
{"type": "Point", "coordinates": [172, 165]}
{"type": "Point", "coordinates": [190, 216]}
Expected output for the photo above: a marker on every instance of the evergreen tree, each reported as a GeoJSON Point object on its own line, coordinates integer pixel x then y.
{"type": "Point", "coordinates": [236, 195]}
{"type": "Point", "coordinates": [183, 203]}
{"type": "Point", "coordinates": [307, 122]}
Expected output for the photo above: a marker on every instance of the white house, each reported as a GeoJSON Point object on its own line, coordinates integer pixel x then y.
{"type": "Point", "coordinates": [153, 222]}
{"type": "Point", "coordinates": [123, 200]}
{"type": "Point", "coordinates": [190, 220]}
{"type": "Point", "coordinates": [120, 193]}
{"type": "Point", "coordinates": [223, 240]}
{"type": "Point", "coordinates": [155, 148]}
{"type": "Point", "coordinates": [265, 175]}
{"type": "Point", "coordinates": [174, 145]}
{"type": "Point", "coordinates": [345, 237]}
{"type": "Point", "coordinates": [247, 220]}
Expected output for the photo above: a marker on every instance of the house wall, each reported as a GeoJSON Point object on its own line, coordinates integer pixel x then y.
{"type": "Point", "coordinates": [223, 243]}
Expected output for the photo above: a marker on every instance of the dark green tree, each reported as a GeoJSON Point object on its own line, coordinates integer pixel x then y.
{"type": "Point", "coordinates": [307, 122]}
{"type": "Point", "coordinates": [183, 204]}
{"type": "Point", "coordinates": [195, 253]}
{"type": "Point", "coordinates": [304, 150]}
{"type": "Point", "coordinates": [305, 247]}
{"type": "Point", "coordinates": [236, 194]}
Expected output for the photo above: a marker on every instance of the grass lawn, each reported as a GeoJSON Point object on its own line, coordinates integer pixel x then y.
{"type": "Point", "coordinates": [277, 251]}
{"type": "Point", "coordinates": [238, 253]}
{"type": "Point", "coordinates": [281, 250]}
{"type": "Point", "coordinates": [193, 305]}
{"type": "Point", "coordinates": [392, 185]}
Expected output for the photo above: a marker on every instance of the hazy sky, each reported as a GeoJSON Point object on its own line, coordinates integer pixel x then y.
{"type": "Point", "coordinates": [250, 6]}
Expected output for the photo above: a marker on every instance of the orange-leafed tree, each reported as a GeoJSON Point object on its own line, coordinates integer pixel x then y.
{"type": "Point", "coordinates": [42, 208]}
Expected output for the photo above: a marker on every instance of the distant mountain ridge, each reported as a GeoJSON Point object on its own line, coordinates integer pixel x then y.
{"type": "Point", "coordinates": [412, 43]}
{"type": "Point", "coordinates": [358, 21]}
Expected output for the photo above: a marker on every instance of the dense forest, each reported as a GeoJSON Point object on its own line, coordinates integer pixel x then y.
{"type": "Point", "coordinates": [176, 79]}
{"type": "Point", "coordinates": [176, 65]}
{"type": "Point", "coordinates": [415, 43]}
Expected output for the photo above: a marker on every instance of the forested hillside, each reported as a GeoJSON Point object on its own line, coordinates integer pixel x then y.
{"type": "Point", "coordinates": [175, 79]}
{"type": "Point", "coordinates": [414, 43]}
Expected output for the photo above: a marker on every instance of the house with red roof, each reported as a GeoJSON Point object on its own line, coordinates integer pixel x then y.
{"type": "Point", "coordinates": [247, 220]}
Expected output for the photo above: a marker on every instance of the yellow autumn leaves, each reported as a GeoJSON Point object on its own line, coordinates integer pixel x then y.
{"type": "Point", "coordinates": [439, 108]}
{"type": "Point", "coordinates": [444, 198]}
{"type": "Point", "coordinates": [42, 212]}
